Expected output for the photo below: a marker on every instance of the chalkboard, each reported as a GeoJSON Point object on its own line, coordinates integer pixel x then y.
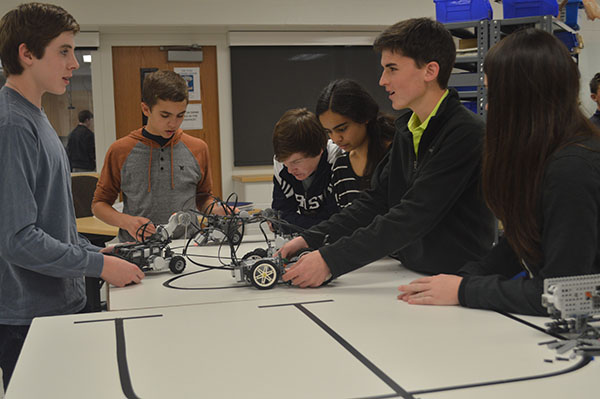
{"type": "Point", "coordinates": [266, 81]}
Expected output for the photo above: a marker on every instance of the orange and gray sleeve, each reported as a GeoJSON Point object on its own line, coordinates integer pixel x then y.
{"type": "Point", "coordinates": [199, 149]}
{"type": "Point", "coordinates": [109, 184]}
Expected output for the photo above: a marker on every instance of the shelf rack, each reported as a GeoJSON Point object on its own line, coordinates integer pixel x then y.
{"type": "Point", "coordinates": [467, 76]}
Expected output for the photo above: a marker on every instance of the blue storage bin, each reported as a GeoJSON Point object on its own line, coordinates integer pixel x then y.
{"type": "Point", "coordinates": [529, 8]}
{"type": "Point", "coordinates": [569, 39]}
{"type": "Point", "coordinates": [465, 88]}
{"type": "Point", "coordinates": [462, 10]}
{"type": "Point", "coordinates": [571, 13]}
{"type": "Point", "coordinates": [470, 105]}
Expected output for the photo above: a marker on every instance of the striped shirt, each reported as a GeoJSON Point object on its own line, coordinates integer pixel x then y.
{"type": "Point", "coordinates": [346, 185]}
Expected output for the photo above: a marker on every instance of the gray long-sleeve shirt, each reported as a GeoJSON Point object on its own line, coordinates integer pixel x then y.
{"type": "Point", "coordinates": [42, 257]}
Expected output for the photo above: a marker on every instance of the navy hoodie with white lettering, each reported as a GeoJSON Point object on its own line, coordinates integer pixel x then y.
{"type": "Point", "coordinates": [306, 207]}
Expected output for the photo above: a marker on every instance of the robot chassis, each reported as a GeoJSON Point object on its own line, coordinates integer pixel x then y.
{"type": "Point", "coordinates": [574, 303]}
{"type": "Point", "coordinates": [260, 267]}
{"type": "Point", "coordinates": [154, 255]}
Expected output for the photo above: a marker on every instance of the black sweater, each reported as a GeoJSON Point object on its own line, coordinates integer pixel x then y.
{"type": "Point", "coordinates": [81, 148]}
{"type": "Point", "coordinates": [596, 118]}
{"type": "Point", "coordinates": [570, 226]}
{"type": "Point", "coordinates": [429, 208]}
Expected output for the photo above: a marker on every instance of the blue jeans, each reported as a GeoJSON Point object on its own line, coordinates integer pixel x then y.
{"type": "Point", "coordinates": [11, 342]}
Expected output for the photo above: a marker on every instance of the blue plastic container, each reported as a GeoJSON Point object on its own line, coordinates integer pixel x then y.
{"type": "Point", "coordinates": [465, 88]}
{"type": "Point", "coordinates": [569, 39]}
{"type": "Point", "coordinates": [571, 13]}
{"type": "Point", "coordinates": [471, 106]}
{"type": "Point", "coordinates": [529, 8]}
{"type": "Point", "coordinates": [462, 10]}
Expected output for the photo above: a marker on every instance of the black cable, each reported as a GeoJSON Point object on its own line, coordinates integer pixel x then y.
{"type": "Point", "coordinates": [582, 363]}
{"type": "Point", "coordinates": [260, 226]}
{"type": "Point", "coordinates": [230, 225]}
{"type": "Point", "coordinates": [143, 228]}
{"type": "Point", "coordinates": [188, 257]}
{"type": "Point", "coordinates": [207, 256]}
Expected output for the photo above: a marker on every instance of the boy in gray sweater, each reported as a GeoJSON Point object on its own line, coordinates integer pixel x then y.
{"type": "Point", "coordinates": [42, 257]}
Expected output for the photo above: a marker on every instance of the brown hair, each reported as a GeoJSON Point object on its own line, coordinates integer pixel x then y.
{"type": "Point", "coordinates": [533, 111]}
{"type": "Point", "coordinates": [298, 131]}
{"type": "Point", "coordinates": [36, 25]}
{"type": "Point", "coordinates": [84, 115]}
{"type": "Point", "coordinates": [594, 83]}
{"type": "Point", "coordinates": [424, 40]}
{"type": "Point", "coordinates": [164, 85]}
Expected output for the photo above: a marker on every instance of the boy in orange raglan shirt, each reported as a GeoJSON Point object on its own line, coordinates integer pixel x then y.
{"type": "Point", "coordinates": [158, 168]}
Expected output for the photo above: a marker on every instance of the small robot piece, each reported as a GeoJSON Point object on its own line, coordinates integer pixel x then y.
{"type": "Point", "coordinates": [265, 273]}
{"type": "Point", "coordinates": [574, 303]}
{"type": "Point", "coordinates": [154, 254]}
{"type": "Point", "coordinates": [262, 269]}
{"type": "Point", "coordinates": [574, 297]}
{"type": "Point", "coordinates": [219, 229]}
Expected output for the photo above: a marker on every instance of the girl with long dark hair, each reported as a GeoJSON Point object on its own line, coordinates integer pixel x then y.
{"type": "Point", "coordinates": [352, 120]}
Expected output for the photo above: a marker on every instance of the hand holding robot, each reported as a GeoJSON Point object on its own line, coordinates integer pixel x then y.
{"type": "Point", "coordinates": [262, 267]}
{"type": "Point", "coordinates": [153, 254]}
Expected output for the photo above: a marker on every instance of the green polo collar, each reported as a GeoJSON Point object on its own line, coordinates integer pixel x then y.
{"type": "Point", "coordinates": [416, 127]}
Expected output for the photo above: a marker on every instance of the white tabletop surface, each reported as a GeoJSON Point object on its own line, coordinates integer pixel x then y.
{"type": "Point", "coordinates": [198, 285]}
{"type": "Point", "coordinates": [352, 339]}
{"type": "Point", "coordinates": [243, 349]}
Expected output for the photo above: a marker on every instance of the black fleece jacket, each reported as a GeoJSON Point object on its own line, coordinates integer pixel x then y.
{"type": "Point", "coordinates": [429, 207]}
{"type": "Point", "coordinates": [570, 232]}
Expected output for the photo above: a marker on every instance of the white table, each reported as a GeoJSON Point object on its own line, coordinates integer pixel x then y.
{"type": "Point", "coordinates": [365, 345]}
{"type": "Point", "coordinates": [199, 285]}
{"type": "Point", "coordinates": [351, 339]}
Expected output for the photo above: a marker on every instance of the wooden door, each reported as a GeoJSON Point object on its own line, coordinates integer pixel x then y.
{"type": "Point", "coordinates": [127, 63]}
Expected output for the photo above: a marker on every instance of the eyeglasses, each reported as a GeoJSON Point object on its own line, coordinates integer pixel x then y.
{"type": "Point", "coordinates": [295, 162]}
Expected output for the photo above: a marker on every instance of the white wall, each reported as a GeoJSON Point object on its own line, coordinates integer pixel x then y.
{"type": "Point", "coordinates": [207, 22]}
{"type": "Point", "coordinates": [239, 13]}
{"type": "Point", "coordinates": [589, 59]}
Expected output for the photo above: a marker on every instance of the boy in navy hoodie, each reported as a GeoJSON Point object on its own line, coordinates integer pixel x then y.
{"type": "Point", "coordinates": [302, 169]}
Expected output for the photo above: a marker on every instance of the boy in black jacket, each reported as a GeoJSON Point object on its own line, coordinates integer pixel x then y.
{"type": "Point", "coordinates": [425, 198]}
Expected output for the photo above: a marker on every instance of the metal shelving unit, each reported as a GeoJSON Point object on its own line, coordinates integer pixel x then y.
{"type": "Point", "coordinates": [502, 27]}
{"type": "Point", "coordinates": [499, 28]}
{"type": "Point", "coordinates": [468, 75]}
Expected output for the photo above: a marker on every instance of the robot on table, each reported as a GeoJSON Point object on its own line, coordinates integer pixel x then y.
{"type": "Point", "coordinates": [154, 254]}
